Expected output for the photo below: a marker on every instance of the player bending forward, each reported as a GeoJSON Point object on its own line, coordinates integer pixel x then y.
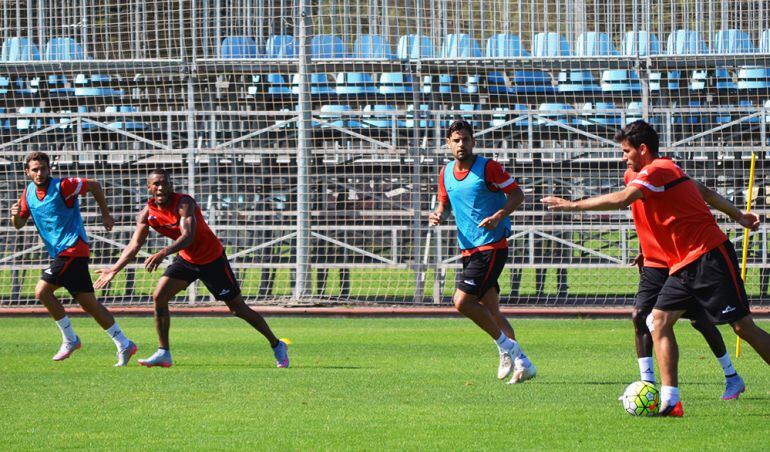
{"type": "Point", "coordinates": [703, 267]}
{"type": "Point", "coordinates": [201, 256]}
{"type": "Point", "coordinates": [482, 196]}
{"type": "Point", "coordinates": [53, 205]}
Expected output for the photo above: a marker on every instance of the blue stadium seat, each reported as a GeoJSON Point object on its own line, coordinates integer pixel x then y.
{"type": "Point", "coordinates": [520, 82]}
{"type": "Point", "coordinates": [319, 84]}
{"type": "Point", "coordinates": [381, 116]}
{"type": "Point", "coordinates": [128, 123]}
{"type": "Point", "coordinates": [394, 83]}
{"type": "Point", "coordinates": [730, 42]}
{"type": "Point", "coordinates": [330, 114]}
{"type": "Point", "coordinates": [327, 46]}
{"type": "Point", "coordinates": [424, 123]}
{"type": "Point", "coordinates": [549, 44]}
{"type": "Point", "coordinates": [65, 49]}
{"type": "Point", "coordinates": [415, 47]}
{"type": "Point", "coordinates": [634, 112]}
{"type": "Point", "coordinates": [756, 77]}
{"type": "Point", "coordinates": [469, 117]}
{"type": "Point", "coordinates": [685, 42]}
{"type": "Point", "coordinates": [459, 46]}
{"type": "Point", "coordinates": [281, 46]}
{"type": "Point", "coordinates": [590, 44]}
{"type": "Point", "coordinates": [277, 84]}
{"type": "Point", "coordinates": [19, 49]}
{"type": "Point", "coordinates": [29, 124]}
{"type": "Point", "coordinates": [372, 46]}
{"type": "Point", "coordinates": [355, 83]}
{"type": "Point", "coordinates": [552, 112]}
{"type": "Point", "coordinates": [641, 43]}
{"type": "Point", "coordinates": [237, 47]}
{"type": "Point", "coordinates": [596, 115]}
{"type": "Point", "coordinates": [505, 114]}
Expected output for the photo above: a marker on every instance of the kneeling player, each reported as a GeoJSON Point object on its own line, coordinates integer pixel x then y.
{"type": "Point", "coordinates": [201, 256]}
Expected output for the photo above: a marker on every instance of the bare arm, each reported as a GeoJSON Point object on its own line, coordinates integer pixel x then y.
{"type": "Point", "coordinates": [17, 220]}
{"type": "Point", "coordinates": [439, 215]}
{"type": "Point", "coordinates": [95, 188]}
{"type": "Point", "coordinates": [611, 201]}
{"type": "Point", "coordinates": [187, 225]}
{"type": "Point", "coordinates": [129, 252]}
{"type": "Point", "coordinates": [512, 202]}
{"type": "Point", "coordinates": [746, 219]}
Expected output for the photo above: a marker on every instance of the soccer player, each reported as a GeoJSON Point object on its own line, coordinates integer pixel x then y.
{"type": "Point", "coordinates": [201, 256]}
{"type": "Point", "coordinates": [653, 272]}
{"type": "Point", "coordinates": [482, 196]}
{"type": "Point", "coordinates": [703, 267]}
{"type": "Point", "coordinates": [53, 205]}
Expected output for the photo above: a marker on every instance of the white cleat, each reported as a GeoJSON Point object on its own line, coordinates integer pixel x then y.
{"type": "Point", "coordinates": [523, 373]}
{"type": "Point", "coordinates": [124, 355]}
{"type": "Point", "coordinates": [506, 365]}
{"type": "Point", "coordinates": [67, 349]}
{"type": "Point", "coordinates": [160, 358]}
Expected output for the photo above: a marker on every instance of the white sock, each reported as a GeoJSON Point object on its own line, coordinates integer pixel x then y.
{"type": "Point", "coordinates": [506, 344]}
{"type": "Point", "coordinates": [727, 365]}
{"type": "Point", "coordinates": [120, 339]}
{"type": "Point", "coordinates": [522, 360]}
{"type": "Point", "coordinates": [647, 369]}
{"type": "Point", "coordinates": [669, 395]}
{"type": "Point", "coordinates": [67, 333]}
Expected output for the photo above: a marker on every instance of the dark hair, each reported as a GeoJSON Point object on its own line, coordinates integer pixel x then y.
{"type": "Point", "coordinates": [638, 133]}
{"type": "Point", "coordinates": [458, 126]}
{"type": "Point", "coordinates": [160, 171]}
{"type": "Point", "coordinates": [39, 156]}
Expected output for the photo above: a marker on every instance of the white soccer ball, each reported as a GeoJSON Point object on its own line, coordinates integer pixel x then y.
{"type": "Point", "coordinates": [641, 399]}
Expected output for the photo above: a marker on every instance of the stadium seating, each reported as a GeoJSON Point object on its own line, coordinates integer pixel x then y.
{"type": "Point", "coordinates": [505, 114]}
{"type": "Point", "coordinates": [596, 114]}
{"type": "Point", "coordinates": [520, 82]}
{"type": "Point", "coordinates": [456, 46]}
{"type": "Point", "coordinates": [394, 83]}
{"type": "Point", "coordinates": [372, 46]}
{"type": "Point", "coordinates": [415, 47]}
{"type": "Point", "coordinates": [587, 45]}
{"type": "Point", "coordinates": [280, 46]}
{"type": "Point", "coordinates": [355, 83]}
{"type": "Point", "coordinates": [16, 50]}
{"type": "Point", "coordinates": [730, 42]}
{"type": "Point", "coordinates": [327, 46]}
{"type": "Point", "coordinates": [237, 47]}
{"type": "Point", "coordinates": [685, 42]}
{"type": "Point", "coordinates": [319, 84]}
{"type": "Point", "coordinates": [551, 111]}
{"type": "Point", "coordinates": [125, 123]}
{"type": "Point", "coordinates": [381, 116]}
{"type": "Point", "coordinates": [330, 114]}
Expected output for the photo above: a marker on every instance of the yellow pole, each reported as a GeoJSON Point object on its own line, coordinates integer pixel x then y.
{"type": "Point", "coordinates": [746, 232]}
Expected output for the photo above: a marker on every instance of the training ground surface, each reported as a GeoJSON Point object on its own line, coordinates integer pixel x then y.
{"type": "Point", "coordinates": [362, 384]}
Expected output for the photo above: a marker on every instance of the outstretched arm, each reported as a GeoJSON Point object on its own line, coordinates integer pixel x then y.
{"type": "Point", "coordinates": [95, 188]}
{"type": "Point", "coordinates": [611, 201]}
{"type": "Point", "coordinates": [187, 225]}
{"type": "Point", "coordinates": [746, 219]}
{"type": "Point", "coordinates": [129, 253]}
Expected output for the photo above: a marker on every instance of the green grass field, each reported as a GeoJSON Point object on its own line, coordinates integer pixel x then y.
{"type": "Point", "coordinates": [417, 384]}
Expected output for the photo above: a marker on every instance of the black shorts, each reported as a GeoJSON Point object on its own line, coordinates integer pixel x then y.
{"type": "Point", "coordinates": [651, 282]}
{"type": "Point", "coordinates": [481, 270]}
{"type": "Point", "coordinates": [217, 276]}
{"type": "Point", "coordinates": [71, 273]}
{"type": "Point", "coordinates": [713, 283]}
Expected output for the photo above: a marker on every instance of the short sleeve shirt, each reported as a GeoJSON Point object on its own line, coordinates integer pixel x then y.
{"type": "Point", "coordinates": [679, 220]}
{"type": "Point", "coordinates": [653, 254]}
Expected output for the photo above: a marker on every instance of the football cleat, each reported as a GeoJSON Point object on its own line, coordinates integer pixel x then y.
{"type": "Point", "coordinates": [734, 387]}
{"type": "Point", "coordinates": [281, 353]}
{"type": "Point", "coordinates": [523, 373]}
{"type": "Point", "coordinates": [124, 355]}
{"type": "Point", "coordinates": [674, 411]}
{"type": "Point", "coordinates": [160, 358]}
{"type": "Point", "coordinates": [506, 365]}
{"type": "Point", "coordinates": [66, 349]}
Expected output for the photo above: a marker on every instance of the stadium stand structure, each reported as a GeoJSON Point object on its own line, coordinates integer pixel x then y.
{"type": "Point", "coordinates": [313, 142]}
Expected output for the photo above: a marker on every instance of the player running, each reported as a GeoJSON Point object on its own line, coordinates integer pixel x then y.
{"type": "Point", "coordinates": [653, 272]}
{"type": "Point", "coordinates": [703, 267]}
{"type": "Point", "coordinates": [53, 205]}
{"type": "Point", "coordinates": [201, 256]}
{"type": "Point", "coordinates": [482, 196]}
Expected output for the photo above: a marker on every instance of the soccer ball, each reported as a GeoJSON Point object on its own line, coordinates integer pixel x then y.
{"type": "Point", "coordinates": [641, 399]}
